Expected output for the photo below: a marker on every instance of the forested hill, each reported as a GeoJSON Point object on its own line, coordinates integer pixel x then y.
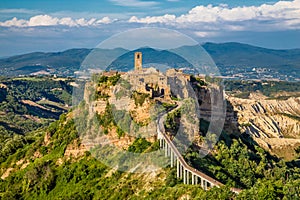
{"type": "Point", "coordinates": [234, 55]}
{"type": "Point", "coordinates": [28, 104]}
{"type": "Point", "coordinates": [51, 164]}
{"type": "Point", "coordinates": [55, 62]}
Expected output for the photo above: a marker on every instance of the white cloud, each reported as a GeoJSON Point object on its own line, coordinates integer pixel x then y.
{"type": "Point", "coordinates": [283, 13]}
{"type": "Point", "coordinates": [104, 20]}
{"type": "Point", "coordinates": [43, 20]}
{"type": "Point", "coordinates": [134, 3]}
{"type": "Point", "coordinates": [67, 21]}
{"type": "Point", "coordinates": [14, 22]}
{"type": "Point", "coordinates": [159, 19]}
{"type": "Point", "coordinates": [46, 20]}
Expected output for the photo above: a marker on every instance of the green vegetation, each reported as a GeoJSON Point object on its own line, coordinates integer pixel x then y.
{"type": "Point", "coordinates": [199, 81]}
{"type": "Point", "coordinates": [50, 174]}
{"type": "Point", "coordinates": [107, 119]}
{"type": "Point", "coordinates": [86, 178]}
{"type": "Point", "coordinates": [104, 82]}
{"type": "Point", "coordinates": [18, 118]}
{"type": "Point", "coordinates": [139, 98]}
{"type": "Point", "coordinates": [107, 80]}
{"type": "Point", "coordinates": [114, 118]}
{"type": "Point", "coordinates": [240, 163]}
{"type": "Point", "coordinates": [139, 145]}
{"type": "Point", "coordinates": [175, 98]}
{"type": "Point", "coordinates": [235, 161]}
{"type": "Point", "coordinates": [100, 95]}
{"type": "Point", "coordinates": [167, 105]}
{"type": "Point", "coordinates": [172, 121]}
{"type": "Point", "coordinates": [120, 132]}
{"type": "Point", "coordinates": [270, 89]}
{"type": "Point", "coordinates": [35, 89]}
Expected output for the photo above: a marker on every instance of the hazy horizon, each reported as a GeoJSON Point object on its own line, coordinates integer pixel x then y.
{"type": "Point", "coordinates": [51, 26]}
{"type": "Point", "coordinates": [62, 50]}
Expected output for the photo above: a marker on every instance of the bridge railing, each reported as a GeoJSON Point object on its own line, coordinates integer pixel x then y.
{"type": "Point", "coordinates": [181, 160]}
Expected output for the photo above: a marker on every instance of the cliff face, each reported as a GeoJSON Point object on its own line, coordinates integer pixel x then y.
{"type": "Point", "coordinates": [263, 118]}
{"type": "Point", "coordinates": [274, 124]}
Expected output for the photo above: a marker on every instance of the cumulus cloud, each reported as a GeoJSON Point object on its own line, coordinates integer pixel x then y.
{"type": "Point", "coordinates": [14, 22]}
{"type": "Point", "coordinates": [159, 19]}
{"type": "Point", "coordinates": [282, 15]}
{"type": "Point", "coordinates": [43, 20]}
{"type": "Point", "coordinates": [287, 13]}
{"type": "Point", "coordinates": [46, 20]}
{"type": "Point", "coordinates": [104, 20]}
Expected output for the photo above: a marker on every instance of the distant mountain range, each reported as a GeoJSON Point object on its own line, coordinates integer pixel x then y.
{"type": "Point", "coordinates": [231, 58]}
{"type": "Point", "coordinates": [150, 57]}
{"type": "Point", "coordinates": [60, 62]}
{"type": "Point", "coordinates": [236, 54]}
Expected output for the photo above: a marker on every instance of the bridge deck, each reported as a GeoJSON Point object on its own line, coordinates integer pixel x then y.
{"type": "Point", "coordinates": [161, 133]}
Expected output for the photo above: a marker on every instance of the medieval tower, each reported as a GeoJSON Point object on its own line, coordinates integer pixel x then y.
{"type": "Point", "coordinates": [138, 61]}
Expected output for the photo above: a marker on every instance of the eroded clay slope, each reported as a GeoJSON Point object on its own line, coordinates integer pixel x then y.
{"type": "Point", "coordinates": [274, 124]}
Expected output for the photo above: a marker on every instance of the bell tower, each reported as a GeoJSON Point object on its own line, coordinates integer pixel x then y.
{"type": "Point", "coordinates": [138, 61]}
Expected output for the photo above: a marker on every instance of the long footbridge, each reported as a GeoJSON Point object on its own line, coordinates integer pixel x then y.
{"type": "Point", "coordinates": [189, 174]}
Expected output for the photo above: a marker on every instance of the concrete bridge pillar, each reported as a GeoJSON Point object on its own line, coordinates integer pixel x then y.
{"type": "Point", "coordinates": [184, 176]}
{"type": "Point", "coordinates": [181, 173]}
{"type": "Point", "coordinates": [178, 168]}
{"type": "Point", "coordinates": [166, 149]}
{"type": "Point", "coordinates": [204, 184]}
{"type": "Point", "coordinates": [172, 158]}
{"type": "Point", "coordinates": [193, 179]}
{"type": "Point", "coordinates": [187, 177]}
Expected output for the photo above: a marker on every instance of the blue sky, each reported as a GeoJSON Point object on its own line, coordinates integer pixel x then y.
{"type": "Point", "coordinates": [55, 25]}
{"type": "Point", "coordinates": [120, 6]}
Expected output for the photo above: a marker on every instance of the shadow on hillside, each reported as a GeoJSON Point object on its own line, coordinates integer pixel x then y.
{"type": "Point", "coordinates": [10, 127]}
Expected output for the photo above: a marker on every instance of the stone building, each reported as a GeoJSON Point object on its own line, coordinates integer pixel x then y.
{"type": "Point", "coordinates": [151, 81]}
{"type": "Point", "coordinates": [148, 80]}
{"type": "Point", "coordinates": [138, 61]}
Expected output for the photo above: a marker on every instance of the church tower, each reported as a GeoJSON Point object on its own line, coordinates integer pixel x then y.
{"type": "Point", "coordinates": [138, 61]}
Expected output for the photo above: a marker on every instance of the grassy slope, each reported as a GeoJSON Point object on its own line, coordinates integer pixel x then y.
{"type": "Point", "coordinates": [54, 176]}
{"type": "Point", "coordinates": [85, 177]}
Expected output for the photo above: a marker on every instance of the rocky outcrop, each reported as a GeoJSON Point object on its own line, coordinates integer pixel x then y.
{"type": "Point", "coordinates": [6, 173]}
{"type": "Point", "coordinates": [273, 124]}
{"type": "Point", "coordinates": [75, 150]}
{"type": "Point", "coordinates": [264, 118]}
